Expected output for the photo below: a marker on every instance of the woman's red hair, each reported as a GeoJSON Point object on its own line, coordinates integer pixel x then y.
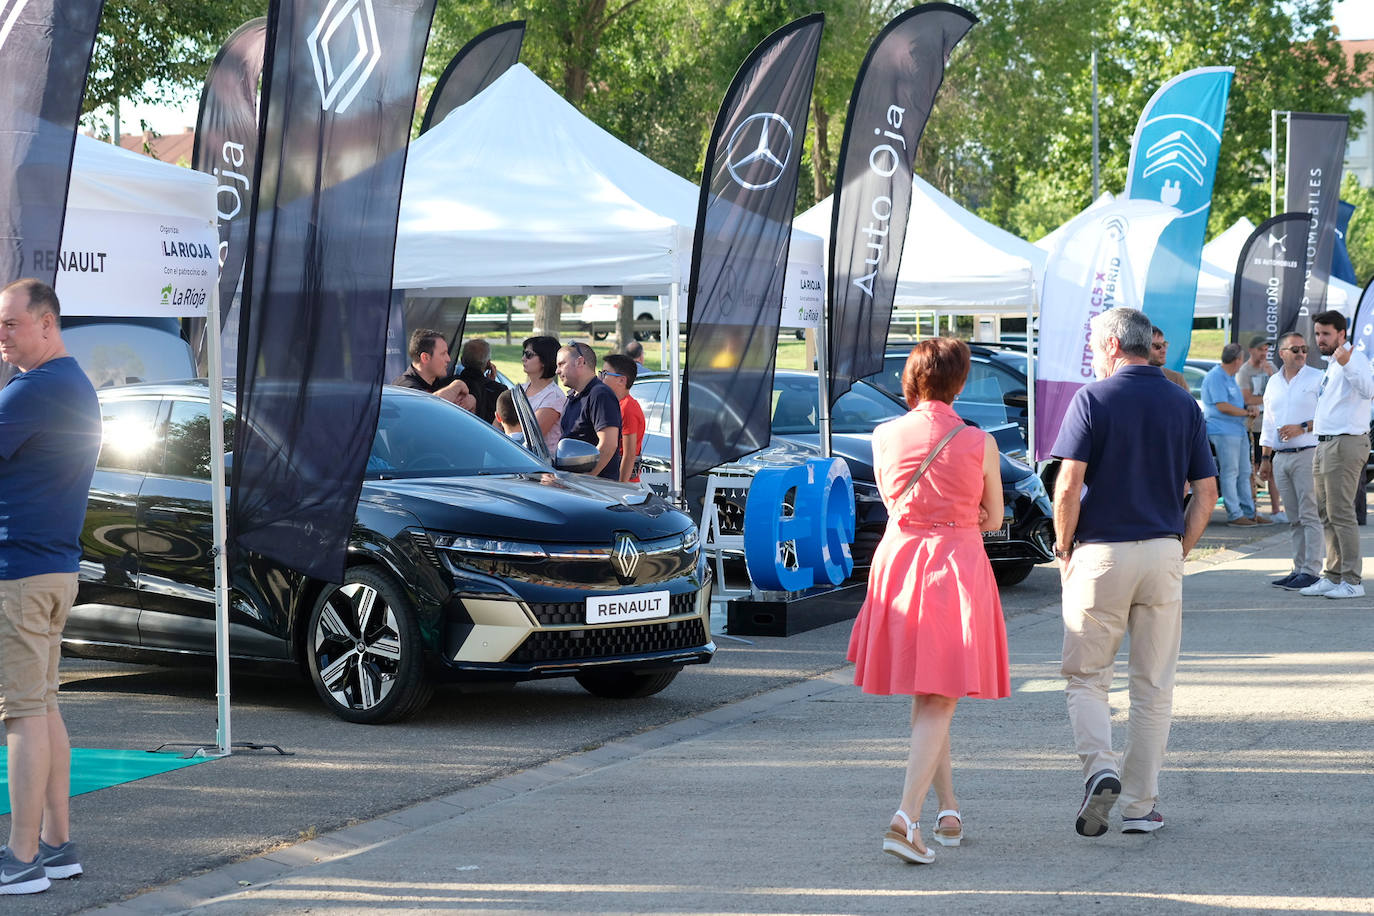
{"type": "Point", "coordinates": [935, 370]}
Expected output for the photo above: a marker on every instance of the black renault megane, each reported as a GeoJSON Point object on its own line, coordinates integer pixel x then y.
{"type": "Point", "coordinates": [469, 559]}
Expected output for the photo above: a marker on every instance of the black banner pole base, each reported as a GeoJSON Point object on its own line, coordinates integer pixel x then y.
{"type": "Point", "coordinates": [208, 750]}
{"type": "Point", "coordinates": [792, 613]}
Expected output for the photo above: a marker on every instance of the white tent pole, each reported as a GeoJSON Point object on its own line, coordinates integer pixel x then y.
{"type": "Point", "coordinates": [1030, 377]}
{"type": "Point", "coordinates": [214, 355]}
{"type": "Point", "coordinates": [823, 382]}
{"type": "Point", "coordinates": [675, 396]}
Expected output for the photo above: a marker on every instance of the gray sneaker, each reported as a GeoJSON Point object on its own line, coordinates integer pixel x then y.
{"type": "Point", "coordinates": [18, 877]}
{"type": "Point", "coordinates": [59, 861]}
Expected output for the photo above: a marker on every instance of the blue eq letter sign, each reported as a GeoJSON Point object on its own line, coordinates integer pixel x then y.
{"type": "Point", "coordinates": [821, 525]}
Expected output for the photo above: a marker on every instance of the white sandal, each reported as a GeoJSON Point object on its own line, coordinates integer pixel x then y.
{"type": "Point", "coordinates": [945, 837]}
{"type": "Point", "coordinates": [903, 846]}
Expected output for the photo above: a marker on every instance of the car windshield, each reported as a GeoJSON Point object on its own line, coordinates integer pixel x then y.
{"type": "Point", "coordinates": [426, 436]}
{"type": "Point", "coordinates": [857, 411]}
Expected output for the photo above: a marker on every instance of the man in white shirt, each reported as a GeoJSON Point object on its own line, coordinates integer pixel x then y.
{"type": "Point", "coordinates": [1288, 447]}
{"type": "Point", "coordinates": [1342, 428]}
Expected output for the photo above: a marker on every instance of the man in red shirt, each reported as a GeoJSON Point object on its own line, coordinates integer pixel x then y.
{"type": "Point", "coordinates": [619, 373]}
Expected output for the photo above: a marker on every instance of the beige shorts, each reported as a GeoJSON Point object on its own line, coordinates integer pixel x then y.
{"type": "Point", "coordinates": [33, 612]}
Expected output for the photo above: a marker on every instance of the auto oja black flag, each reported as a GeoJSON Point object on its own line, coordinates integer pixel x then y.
{"type": "Point", "coordinates": [893, 95]}
{"type": "Point", "coordinates": [743, 229]}
{"type": "Point", "coordinates": [226, 146]}
{"type": "Point", "coordinates": [45, 51]}
{"type": "Point", "coordinates": [473, 69]}
{"type": "Point", "coordinates": [1267, 292]}
{"type": "Point", "coordinates": [339, 96]}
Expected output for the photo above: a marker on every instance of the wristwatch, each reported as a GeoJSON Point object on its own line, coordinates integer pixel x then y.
{"type": "Point", "coordinates": [1063, 554]}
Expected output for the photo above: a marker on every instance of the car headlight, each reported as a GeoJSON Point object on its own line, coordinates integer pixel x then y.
{"type": "Point", "coordinates": [1033, 488]}
{"type": "Point", "coordinates": [465, 544]}
{"type": "Point", "coordinates": [690, 540]}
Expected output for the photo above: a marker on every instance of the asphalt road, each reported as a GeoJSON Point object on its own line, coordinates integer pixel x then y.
{"type": "Point", "coordinates": [153, 831]}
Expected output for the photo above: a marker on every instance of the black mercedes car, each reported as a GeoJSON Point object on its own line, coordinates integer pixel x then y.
{"type": "Point", "coordinates": [469, 559]}
{"type": "Point", "coordinates": [1027, 533]}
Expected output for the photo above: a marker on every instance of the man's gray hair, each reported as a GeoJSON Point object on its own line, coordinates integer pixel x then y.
{"type": "Point", "coordinates": [1129, 326]}
{"type": "Point", "coordinates": [1232, 352]}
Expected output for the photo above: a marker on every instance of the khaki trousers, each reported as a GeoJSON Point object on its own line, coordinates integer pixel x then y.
{"type": "Point", "coordinates": [1111, 590]}
{"type": "Point", "coordinates": [1337, 472]}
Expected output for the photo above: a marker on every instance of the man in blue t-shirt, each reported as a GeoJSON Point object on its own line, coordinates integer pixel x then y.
{"type": "Point", "coordinates": [1128, 442]}
{"type": "Point", "coordinates": [1223, 405]}
{"type": "Point", "coordinates": [593, 411]}
{"type": "Point", "coordinates": [49, 440]}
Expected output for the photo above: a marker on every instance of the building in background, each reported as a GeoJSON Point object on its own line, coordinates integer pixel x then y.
{"type": "Point", "coordinates": [1359, 150]}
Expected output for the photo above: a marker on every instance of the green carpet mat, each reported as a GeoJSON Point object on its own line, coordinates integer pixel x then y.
{"type": "Point", "coordinates": [97, 768]}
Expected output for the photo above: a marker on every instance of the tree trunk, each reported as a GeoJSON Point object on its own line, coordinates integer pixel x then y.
{"type": "Point", "coordinates": [625, 322]}
{"type": "Point", "coordinates": [548, 316]}
{"type": "Point", "coordinates": [821, 166]}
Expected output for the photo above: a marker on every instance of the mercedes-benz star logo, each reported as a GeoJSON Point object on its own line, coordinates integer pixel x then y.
{"type": "Point", "coordinates": [756, 154]}
{"type": "Point", "coordinates": [9, 15]}
{"type": "Point", "coordinates": [626, 556]}
{"type": "Point", "coordinates": [339, 87]}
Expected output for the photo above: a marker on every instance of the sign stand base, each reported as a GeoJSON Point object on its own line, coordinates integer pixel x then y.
{"type": "Point", "coordinates": [789, 613]}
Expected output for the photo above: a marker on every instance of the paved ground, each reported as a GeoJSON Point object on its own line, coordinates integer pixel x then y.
{"type": "Point", "coordinates": [774, 802]}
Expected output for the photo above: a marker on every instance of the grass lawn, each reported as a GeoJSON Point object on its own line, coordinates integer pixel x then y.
{"type": "Point", "coordinates": [1206, 344]}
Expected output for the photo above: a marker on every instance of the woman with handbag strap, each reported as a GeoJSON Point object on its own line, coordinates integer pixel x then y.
{"type": "Point", "coordinates": [931, 625]}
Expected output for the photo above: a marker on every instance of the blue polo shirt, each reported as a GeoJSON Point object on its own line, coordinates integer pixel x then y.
{"type": "Point", "coordinates": [589, 411]}
{"type": "Point", "coordinates": [1219, 387]}
{"type": "Point", "coordinates": [49, 440]}
{"type": "Point", "coordinates": [1142, 438]}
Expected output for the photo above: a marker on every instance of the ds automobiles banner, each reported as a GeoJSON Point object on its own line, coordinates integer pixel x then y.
{"type": "Point", "coordinates": [743, 230]}
{"type": "Point", "coordinates": [893, 95]}
{"type": "Point", "coordinates": [1316, 157]}
{"type": "Point", "coordinates": [1100, 263]}
{"type": "Point", "coordinates": [1174, 161]}
{"type": "Point", "coordinates": [1269, 275]}
{"type": "Point", "coordinates": [339, 96]}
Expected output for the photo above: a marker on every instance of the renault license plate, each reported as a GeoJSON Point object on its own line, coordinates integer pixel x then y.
{"type": "Point", "coordinates": [1001, 534]}
{"type": "Point", "coordinates": [619, 608]}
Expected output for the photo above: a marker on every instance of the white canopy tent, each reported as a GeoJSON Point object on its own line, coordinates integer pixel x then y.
{"type": "Point", "coordinates": [517, 192]}
{"type": "Point", "coordinates": [140, 239]}
{"type": "Point", "coordinates": [952, 261]}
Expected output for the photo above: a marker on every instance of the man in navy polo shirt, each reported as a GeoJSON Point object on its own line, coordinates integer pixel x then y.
{"type": "Point", "coordinates": [49, 439]}
{"type": "Point", "coordinates": [1128, 442]}
{"type": "Point", "coordinates": [593, 411]}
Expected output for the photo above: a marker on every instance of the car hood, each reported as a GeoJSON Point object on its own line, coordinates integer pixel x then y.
{"type": "Point", "coordinates": [539, 507]}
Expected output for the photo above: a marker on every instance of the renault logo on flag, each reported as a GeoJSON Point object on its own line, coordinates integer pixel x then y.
{"type": "Point", "coordinates": [9, 15]}
{"type": "Point", "coordinates": [626, 556]}
{"type": "Point", "coordinates": [349, 27]}
{"type": "Point", "coordinates": [759, 150]}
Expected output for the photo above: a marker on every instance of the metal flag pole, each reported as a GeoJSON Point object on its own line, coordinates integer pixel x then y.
{"type": "Point", "coordinates": [223, 731]}
{"type": "Point", "coordinates": [675, 398]}
{"type": "Point", "coordinates": [1273, 161]}
{"type": "Point", "coordinates": [823, 382]}
{"type": "Point", "coordinates": [1097, 183]}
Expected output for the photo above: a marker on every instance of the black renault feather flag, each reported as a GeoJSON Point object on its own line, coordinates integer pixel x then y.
{"type": "Point", "coordinates": [339, 95]}
{"type": "Point", "coordinates": [1316, 155]}
{"type": "Point", "coordinates": [893, 95]}
{"type": "Point", "coordinates": [45, 51]}
{"type": "Point", "coordinates": [1267, 292]}
{"type": "Point", "coordinates": [744, 226]}
{"type": "Point", "coordinates": [473, 69]}
{"type": "Point", "coordinates": [226, 146]}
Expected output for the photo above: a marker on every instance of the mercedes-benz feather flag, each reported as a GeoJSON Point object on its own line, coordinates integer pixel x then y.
{"type": "Point", "coordinates": [1362, 327]}
{"type": "Point", "coordinates": [1316, 155]}
{"type": "Point", "coordinates": [226, 146]}
{"type": "Point", "coordinates": [473, 69]}
{"type": "Point", "coordinates": [339, 95]}
{"type": "Point", "coordinates": [893, 95]}
{"type": "Point", "coordinates": [1174, 161]}
{"type": "Point", "coordinates": [743, 229]}
{"type": "Point", "coordinates": [1269, 276]}
{"type": "Point", "coordinates": [45, 51]}
{"type": "Point", "coordinates": [1341, 266]}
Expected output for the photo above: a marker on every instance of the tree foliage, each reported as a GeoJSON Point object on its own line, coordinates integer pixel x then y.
{"type": "Point", "coordinates": [157, 51]}
{"type": "Point", "coordinates": [1359, 238]}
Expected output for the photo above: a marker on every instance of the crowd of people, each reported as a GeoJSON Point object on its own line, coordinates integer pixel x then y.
{"type": "Point", "coordinates": [571, 397]}
{"type": "Point", "coordinates": [1137, 484]}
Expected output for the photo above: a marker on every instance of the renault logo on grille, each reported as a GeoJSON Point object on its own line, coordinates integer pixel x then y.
{"type": "Point", "coordinates": [626, 556]}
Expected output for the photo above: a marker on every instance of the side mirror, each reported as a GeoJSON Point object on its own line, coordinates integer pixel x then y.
{"type": "Point", "coordinates": [1016, 398]}
{"type": "Point", "coordinates": [576, 456]}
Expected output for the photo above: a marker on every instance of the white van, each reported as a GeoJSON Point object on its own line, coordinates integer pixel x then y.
{"type": "Point", "coordinates": [599, 314]}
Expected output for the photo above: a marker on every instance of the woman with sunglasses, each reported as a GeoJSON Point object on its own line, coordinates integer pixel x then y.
{"type": "Point", "coordinates": [538, 357]}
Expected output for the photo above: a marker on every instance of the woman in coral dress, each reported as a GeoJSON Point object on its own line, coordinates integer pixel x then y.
{"type": "Point", "coordinates": [931, 625]}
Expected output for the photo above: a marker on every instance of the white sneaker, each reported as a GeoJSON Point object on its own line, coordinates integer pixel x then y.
{"type": "Point", "coordinates": [1346, 590]}
{"type": "Point", "coordinates": [1279, 518]}
{"type": "Point", "coordinates": [1320, 587]}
